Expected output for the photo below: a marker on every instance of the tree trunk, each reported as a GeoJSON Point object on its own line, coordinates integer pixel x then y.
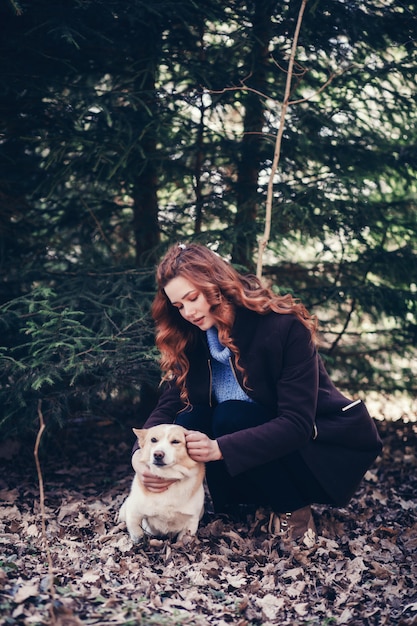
{"type": "Point", "coordinates": [250, 161]}
{"type": "Point", "coordinates": [145, 214]}
{"type": "Point", "coordinates": [145, 177]}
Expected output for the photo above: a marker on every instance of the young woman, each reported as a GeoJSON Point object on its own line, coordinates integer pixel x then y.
{"type": "Point", "coordinates": [242, 374]}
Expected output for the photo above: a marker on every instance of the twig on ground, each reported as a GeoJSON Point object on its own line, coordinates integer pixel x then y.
{"type": "Point", "coordinates": [51, 588]}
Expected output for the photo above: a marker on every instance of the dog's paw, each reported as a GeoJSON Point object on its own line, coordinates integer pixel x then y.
{"type": "Point", "coordinates": [186, 534]}
{"type": "Point", "coordinates": [136, 538]}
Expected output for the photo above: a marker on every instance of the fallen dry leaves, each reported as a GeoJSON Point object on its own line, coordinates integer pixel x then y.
{"type": "Point", "coordinates": [362, 571]}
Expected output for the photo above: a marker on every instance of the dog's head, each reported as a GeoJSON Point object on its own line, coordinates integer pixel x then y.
{"type": "Point", "coordinates": [164, 446]}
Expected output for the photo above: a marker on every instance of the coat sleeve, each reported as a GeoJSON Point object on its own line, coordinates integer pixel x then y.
{"type": "Point", "coordinates": [296, 382]}
{"type": "Point", "coordinates": [169, 404]}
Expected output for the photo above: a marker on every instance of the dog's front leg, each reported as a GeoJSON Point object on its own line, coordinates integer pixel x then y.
{"type": "Point", "coordinates": [190, 528]}
{"type": "Point", "coordinates": [134, 527]}
{"type": "Point", "coordinates": [133, 521]}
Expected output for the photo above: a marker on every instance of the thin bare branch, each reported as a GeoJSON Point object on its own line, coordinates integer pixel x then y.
{"type": "Point", "coordinates": [243, 87]}
{"type": "Point", "coordinates": [322, 88]}
{"type": "Point", "coordinates": [268, 216]}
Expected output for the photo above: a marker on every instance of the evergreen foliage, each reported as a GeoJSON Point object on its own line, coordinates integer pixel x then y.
{"type": "Point", "coordinates": [128, 126]}
{"type": "Point", "coordinates": [84, 346]}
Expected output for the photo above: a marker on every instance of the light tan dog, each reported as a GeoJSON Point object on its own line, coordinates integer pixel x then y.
{"type": "Point", "coordinates": [176, 511]}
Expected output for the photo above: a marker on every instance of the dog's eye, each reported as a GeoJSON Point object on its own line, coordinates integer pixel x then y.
{"type": "Point", "coordinates": [154, 440]}
{"type": "Point", "coordinates": [175, 441]}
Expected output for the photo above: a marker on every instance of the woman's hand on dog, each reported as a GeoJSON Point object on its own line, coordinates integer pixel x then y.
{"type": "Point", "coordinates": [155, 483]}
{"type": "Point", "coordinates": [202, 448]}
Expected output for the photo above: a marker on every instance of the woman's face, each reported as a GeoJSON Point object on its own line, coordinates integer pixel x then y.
{"type": "Point", "coordinates": [190, 301]}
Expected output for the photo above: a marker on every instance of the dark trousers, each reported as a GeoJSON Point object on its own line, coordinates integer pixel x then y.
{"type": "Point", "coordinates": [285, 484]}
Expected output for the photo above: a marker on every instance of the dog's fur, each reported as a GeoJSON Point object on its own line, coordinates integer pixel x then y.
{"type": "Point", "coordinates": [176, 511]}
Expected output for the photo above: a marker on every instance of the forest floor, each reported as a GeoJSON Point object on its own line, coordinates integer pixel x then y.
{"type": "Point", "coordinates": [362, 571]}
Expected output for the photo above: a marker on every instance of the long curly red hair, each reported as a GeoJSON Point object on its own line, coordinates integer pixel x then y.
{"type": "Point", "coordinates": [224, 289]}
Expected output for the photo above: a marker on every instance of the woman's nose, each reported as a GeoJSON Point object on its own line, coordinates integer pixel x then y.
{"type": "Point", "coordinates": [188, 309]}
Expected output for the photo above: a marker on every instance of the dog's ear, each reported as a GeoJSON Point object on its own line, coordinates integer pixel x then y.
{"type": "Point", "coordinates": [140, 434]}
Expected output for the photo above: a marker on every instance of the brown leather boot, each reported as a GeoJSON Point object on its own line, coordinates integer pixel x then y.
{"type": "Point", "coordinates": [297, 525]}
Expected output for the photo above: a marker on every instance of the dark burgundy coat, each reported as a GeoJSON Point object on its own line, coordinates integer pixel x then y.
{"type": "Point", "coordinates": [286, 375]}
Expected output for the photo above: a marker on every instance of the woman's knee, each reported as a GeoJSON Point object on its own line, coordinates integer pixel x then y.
{"type": "Point", "coordinates": [197, 418]}
{"type": "Point", "coordinates": [234, 415]}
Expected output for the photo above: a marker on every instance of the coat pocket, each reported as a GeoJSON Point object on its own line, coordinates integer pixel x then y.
{"type": "Point", "coordinates": [350, 426]}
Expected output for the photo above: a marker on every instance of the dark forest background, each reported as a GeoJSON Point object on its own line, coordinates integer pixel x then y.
{"type": "Point", "coordinates": [129, 126]}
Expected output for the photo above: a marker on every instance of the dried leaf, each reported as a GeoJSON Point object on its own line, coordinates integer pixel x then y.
{"type": "Point", "coordinates": [271, 605]}
{"type": "Point", "coordinates": [25, 591]}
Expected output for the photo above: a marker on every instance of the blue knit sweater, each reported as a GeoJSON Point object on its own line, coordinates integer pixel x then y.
{"type": "Point", "coordinates": [225, 385]}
